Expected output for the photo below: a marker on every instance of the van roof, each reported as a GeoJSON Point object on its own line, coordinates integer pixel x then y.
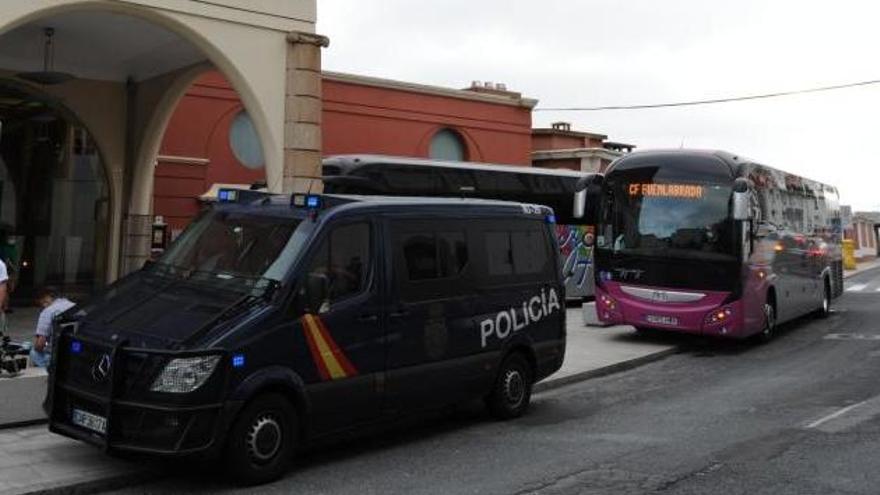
{"type": "Point", "coordinates": [281, 204]}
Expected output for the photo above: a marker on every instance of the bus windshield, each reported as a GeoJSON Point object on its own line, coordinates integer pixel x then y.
{"type": "Point", "coordinates": [668, 219]}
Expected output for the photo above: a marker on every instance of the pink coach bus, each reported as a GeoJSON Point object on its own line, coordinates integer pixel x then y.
{"type": "Point", "coordinates": [710, 243]}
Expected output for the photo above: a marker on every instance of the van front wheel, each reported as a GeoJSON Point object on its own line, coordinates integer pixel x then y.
{"type": "Point", "coordinates": [262, 440]}
{"type": "Point", "coordinates": [512, 391]}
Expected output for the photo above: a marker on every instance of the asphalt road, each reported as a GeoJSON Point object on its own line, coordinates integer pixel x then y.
{"type": "Point", "coordinates": [800, 415]}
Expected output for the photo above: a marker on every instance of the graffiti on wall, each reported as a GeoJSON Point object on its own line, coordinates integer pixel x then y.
{"type": "Point", "coordinates": [577, 255]}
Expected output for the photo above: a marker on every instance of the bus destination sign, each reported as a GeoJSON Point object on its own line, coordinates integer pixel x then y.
{"type": "Point", "coordinates": [684, 191]}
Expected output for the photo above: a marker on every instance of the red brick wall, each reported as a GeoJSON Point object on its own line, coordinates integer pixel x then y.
{"type": "Point", "coordinates": [198, 129]}
{"type": "Point", "coordinates": [357, 118]}
{"type": "Point", "coordinates": [366, 119]}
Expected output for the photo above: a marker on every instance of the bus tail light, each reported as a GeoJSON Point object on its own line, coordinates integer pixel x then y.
{"type": "Point", "coordinates": [719, 316]}
{"type": "Point", "coordinates": [607, 307]}
{"type": "Point", "coordinates": [607, 302]}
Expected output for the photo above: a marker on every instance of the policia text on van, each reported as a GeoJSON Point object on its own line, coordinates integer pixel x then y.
{"type": "Point", "coordinates": [274, 321]}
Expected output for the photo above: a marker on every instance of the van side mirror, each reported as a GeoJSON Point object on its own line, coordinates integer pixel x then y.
{"type": "Point", "coordinates": [588, 190]}
{"type": "Point", "coordinates": [317, 293]}
{"type": "Point", "coordinates": [741, 199]}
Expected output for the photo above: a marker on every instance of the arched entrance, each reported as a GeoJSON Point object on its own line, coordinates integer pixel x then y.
{"type": "Point", "coordinates": [54, 196]}
{"type": "Point", "coordinates": [129, 62]}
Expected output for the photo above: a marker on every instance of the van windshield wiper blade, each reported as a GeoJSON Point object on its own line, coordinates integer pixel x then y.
{"type": "Point", "coordinates": [237, 306]}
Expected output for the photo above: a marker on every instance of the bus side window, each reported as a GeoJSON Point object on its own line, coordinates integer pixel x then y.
{"type": "Point", "coordinates": [339, 269]}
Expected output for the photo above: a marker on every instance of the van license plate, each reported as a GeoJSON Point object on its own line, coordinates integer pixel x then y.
{"type": "Point", "coordinates": [661, 320]}
{"type": "Point", "coordinates": [89, 421]}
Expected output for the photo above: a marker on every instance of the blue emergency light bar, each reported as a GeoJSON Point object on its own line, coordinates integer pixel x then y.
{"type": "Point", "coordinates": [227, 195]}
{"type": "Point", "coordinates": [238, 360]}
{"type": "Point", "coordinates": [307, 201]}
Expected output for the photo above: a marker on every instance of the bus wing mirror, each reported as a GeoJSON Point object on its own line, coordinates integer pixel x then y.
{"type": "Point", "coordinates": [586, 198]}
{"type": "Point", "coordinates": [580, 204]}
{"type": "Point", "coordinates": [741, 199]}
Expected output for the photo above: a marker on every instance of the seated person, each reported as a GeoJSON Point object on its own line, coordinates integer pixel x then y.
{"type": "Point", "coordinates": [53, 305]}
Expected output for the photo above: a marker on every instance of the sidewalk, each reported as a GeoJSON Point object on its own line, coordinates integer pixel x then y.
{"type": "Point", "coordinates": [32, 460]}
{"type": "Point", "coordinates": [861, 267]}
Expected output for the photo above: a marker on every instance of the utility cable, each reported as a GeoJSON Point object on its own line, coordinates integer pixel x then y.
{"type": "Point", "coordinates": [710, 101]}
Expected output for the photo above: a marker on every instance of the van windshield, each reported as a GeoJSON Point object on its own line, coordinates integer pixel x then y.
{"type": "Point", "coordinates": [228, 245]}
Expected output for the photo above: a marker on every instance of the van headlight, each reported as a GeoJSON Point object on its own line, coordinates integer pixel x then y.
{"type": "Point", "coordinates": [184, 375]}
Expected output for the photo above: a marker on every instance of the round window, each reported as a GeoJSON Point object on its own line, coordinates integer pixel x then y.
{"type": "Point", "coordinates": [447, 145]}
{"type": "Point", "coordinates": [245, 141]}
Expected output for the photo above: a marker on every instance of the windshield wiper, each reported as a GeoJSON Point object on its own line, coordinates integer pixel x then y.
{"type": "Point", "coordinates": [238, 306]}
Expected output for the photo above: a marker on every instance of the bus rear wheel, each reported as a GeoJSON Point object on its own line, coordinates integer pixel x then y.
{"type": "Point", "coordinates": [825, 308]}
{"type": "Point", "coordinates": [769, 330]}
{"type": "Point", "coordinates": [262, 440]}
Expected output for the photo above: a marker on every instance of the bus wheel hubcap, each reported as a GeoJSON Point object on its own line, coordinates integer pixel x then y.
{"type": "Point", "coordinates": [264, 438]}
{"type": "Point", "coordinates": [514, 387]}
{"type": "Point", "coordinates": [770, 320]}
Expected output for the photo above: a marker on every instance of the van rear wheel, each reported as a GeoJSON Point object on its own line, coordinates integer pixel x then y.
{"type": "Point", "coordinates": [512, 391]}
{"type": "Point", "coordinates": [262, 440]}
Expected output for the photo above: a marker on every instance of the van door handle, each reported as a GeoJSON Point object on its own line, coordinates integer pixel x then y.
{"type": "Point", "coordinates": [368, 318]}
{"type": "Point", "coordinates": [398, 314]}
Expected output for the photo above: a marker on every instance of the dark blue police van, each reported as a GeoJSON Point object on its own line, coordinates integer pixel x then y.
{"type": "Point", "coordinates": [275, 321]}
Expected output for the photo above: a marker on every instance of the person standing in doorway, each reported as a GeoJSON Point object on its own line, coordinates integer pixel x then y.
{"type": "Point", "coordinates": [53, 305]}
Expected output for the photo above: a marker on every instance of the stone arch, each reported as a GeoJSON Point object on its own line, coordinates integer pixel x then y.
{"type": "Point", "coordinates": [259, 81]}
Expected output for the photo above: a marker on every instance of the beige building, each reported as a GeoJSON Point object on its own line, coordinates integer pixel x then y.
{"type": "Point", "coordinates": [86, 91]}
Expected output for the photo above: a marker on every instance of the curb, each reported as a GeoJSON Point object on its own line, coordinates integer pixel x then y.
{"type": "Point", "coordinates": [604, 371]}
{"type": "Point", "coordinates": [114, 482]}
{"type": "Point", "coordinates": [23, 424]}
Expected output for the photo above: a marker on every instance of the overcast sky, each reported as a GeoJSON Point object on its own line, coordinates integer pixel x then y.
{"type": "Point", "coordinates": [605, 52]}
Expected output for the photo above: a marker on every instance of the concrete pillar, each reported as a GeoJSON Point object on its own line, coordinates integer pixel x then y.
{"type": "Point", "coordinates": [302, 113]}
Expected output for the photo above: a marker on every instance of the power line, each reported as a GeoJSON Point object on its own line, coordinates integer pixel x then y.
{"type": "Point", "coordinates": [712, 101]}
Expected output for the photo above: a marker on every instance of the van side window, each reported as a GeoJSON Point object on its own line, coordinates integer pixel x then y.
{"type": "Point", "coordinates": [530, 254]}
{"type": "Point", "coordinates": [434, 255]}
{"type": "Point", "coordinates": [500, 253]}
{"type": "Point", "coordinates": [519, 252]}
{"type": "Point", "coordinates": [340, 266]}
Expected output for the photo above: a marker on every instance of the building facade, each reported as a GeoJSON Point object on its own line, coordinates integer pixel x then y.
{"type": "Point", "coordinates": [87, 89]}
{"type": "Point", "coordinates": [561, 147]}
{"type": "Point", "coordinates": [211, 142]}
{"type": "Point", "coordinates": [863, 232]}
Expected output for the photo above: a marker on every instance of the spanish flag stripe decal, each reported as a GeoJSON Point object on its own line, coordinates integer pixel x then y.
{"type": "Point", "coordinates": [340, 356]}
{"type": "Point", "coordinates": [316, 355]}
{"type": "Point", "coordinates": [329, 359]}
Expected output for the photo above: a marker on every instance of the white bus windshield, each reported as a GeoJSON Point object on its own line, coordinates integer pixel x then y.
{"type": "Point", "coordinates": [678, 219]}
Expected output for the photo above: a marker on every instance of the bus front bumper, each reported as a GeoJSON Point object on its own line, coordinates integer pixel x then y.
{"type": "Point", "coordinates": [711, 315]}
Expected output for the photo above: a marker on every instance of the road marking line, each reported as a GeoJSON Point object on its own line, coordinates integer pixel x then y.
{"type": "Point", "coordinates": [851, 336]}
{"type": "Point", "coordinates": [856, 288]}
{"type": "Point", "coordinates": [838, 413]}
